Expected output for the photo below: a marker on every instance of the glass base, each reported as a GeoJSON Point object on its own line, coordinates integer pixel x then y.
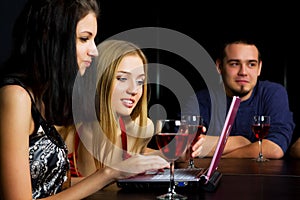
{"type": "Point", "coordinates": [171, 196]}
{"type": "Point", "coordinates": [191, 164]}
{"type": "Point", "coordinates": [261, 159]}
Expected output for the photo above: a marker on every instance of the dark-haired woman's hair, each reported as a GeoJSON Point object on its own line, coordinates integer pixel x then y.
{"type": "Point", "coordinates": [44, 53]}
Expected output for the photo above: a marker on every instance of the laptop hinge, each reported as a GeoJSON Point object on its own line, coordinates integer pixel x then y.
{"type": "Point", "coordinates": [212, 183]}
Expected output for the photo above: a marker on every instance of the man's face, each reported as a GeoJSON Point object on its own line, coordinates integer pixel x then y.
{"type": "Point", "coordinates": [240, 69]}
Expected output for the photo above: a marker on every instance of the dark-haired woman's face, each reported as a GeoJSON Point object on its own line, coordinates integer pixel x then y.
{"type": "Point", "coordinates": [86, 31]}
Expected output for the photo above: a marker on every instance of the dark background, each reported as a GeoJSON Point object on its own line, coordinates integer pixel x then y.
{"type": "Point", "coordinates": [274, 26]}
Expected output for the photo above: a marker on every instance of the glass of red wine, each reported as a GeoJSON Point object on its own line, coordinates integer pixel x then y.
{"type": "Point", "coordinates": [171, 138]}
{"type": "Point", "coordinates": [195, 124]}
{"type": "Point", "coordinates": [260, 127]}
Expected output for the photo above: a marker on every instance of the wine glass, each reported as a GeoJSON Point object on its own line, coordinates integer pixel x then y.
{"type": "Point", "coordinates": [195, 123]}
{"type": "Point", "coordinates": [171, 139]}
{"type": "Point", "coordinates": [260, 127]}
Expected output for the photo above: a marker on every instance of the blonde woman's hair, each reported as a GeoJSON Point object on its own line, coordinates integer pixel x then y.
{"type": "Point", "coordinates": [111, 52]}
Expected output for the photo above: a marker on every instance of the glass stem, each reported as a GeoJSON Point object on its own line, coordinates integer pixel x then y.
{"type": "Point", "coordinates": [172, 182]}
{"type": "Point", "coordinates": [260, 155]}
{"type": "Point", "coordinates": [192, 165]}
{"type": "Point", "coordinates": [191, 160]}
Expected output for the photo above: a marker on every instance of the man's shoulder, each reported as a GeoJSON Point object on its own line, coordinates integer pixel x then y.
{"type": "Point", "coordinates": [269, 88]}
{"type": "Point", "coordinates": [270, 84]}
{"type": "Point", "coordinates": [267, 83]}
{"type": "Point", "coordinates": [203, 92]}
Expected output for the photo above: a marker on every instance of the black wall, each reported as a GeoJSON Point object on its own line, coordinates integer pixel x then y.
{"type": "Point", "coordinates": [273, 25]}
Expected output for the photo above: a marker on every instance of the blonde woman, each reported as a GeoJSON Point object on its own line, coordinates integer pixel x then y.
{"type": "Point", "coordinates": [121, 104]}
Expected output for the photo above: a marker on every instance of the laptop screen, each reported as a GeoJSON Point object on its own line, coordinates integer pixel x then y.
{"type": "Point", "coordinates": [208, 177]}
{"type": "Point", "coordinates": [224, 135]}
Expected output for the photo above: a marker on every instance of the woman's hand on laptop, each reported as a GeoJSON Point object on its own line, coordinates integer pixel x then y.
{"type": "Point", "coordinates": [138, 164]}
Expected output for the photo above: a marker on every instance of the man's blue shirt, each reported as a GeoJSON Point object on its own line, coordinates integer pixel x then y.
{"type": "Point", "coordinates": [268, 98]}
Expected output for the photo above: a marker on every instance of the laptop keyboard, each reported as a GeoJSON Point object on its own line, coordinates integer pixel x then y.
{"type": "Point", "coordinates": [180, 174]}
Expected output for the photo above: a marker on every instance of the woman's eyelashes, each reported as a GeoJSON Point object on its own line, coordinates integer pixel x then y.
{"type": "Point", "coordinates": [139, 81]}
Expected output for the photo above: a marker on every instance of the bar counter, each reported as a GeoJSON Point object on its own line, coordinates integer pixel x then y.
{"type": "Point", "coordinates": [242, 179]}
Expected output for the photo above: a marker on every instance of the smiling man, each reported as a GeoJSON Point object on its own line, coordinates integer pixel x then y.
{"type": "Point", "coordinates": [239, 65]}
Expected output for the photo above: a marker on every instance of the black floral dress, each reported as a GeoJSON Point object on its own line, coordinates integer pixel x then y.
{"type": "Point", "coordinates": [47, 154]}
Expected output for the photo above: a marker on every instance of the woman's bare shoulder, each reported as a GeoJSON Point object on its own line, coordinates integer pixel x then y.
{"type": "Point", "coordinates": [14, 94]}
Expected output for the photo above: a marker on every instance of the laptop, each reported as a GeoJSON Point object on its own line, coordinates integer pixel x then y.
{"type": "Point", "coordinates": [204, 178]}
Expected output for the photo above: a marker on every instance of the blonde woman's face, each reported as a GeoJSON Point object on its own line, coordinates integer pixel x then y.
{"type": "Point", "coordinates": [128, 85]}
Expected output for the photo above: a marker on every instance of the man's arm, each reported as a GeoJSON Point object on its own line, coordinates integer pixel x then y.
{"type": "Point", "coordinates": [295, 149]}
{"type": "Point", "coordinates": [240, 147]}
{"type": "Point", "coordinates": [269, 149]}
